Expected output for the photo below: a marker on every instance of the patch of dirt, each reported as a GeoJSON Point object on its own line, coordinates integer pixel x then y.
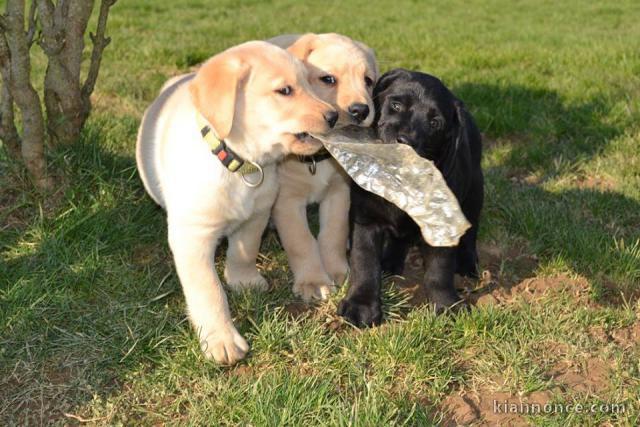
{"type": "Point", "coordinates": [486, 407]}
{"type": "Point", "coordinates": [627, 337]}
{"type": "Point", "coordinates": [590, 376]}
{"type": "Point", "coordinates": [508, 277]}
{"type": "Point", "coordinates": [536, 288]}
{"type": "Point", "coordinates": [504, 269]}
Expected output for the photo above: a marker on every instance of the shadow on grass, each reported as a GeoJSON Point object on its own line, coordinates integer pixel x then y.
{"type": "Point", "coordinates": [89, 297]}
{"type": "Point", "coordinates": [88, 292]}
{"type": "Point", "coordinates": [77, 287]}
{"type": "Point", "coordinates": [540, 138]}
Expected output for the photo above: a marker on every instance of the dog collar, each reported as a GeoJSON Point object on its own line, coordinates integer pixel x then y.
{"type": "Point", "coordinates": [229, 159]}
{"type": "Point", "coordinates": [311, 160]}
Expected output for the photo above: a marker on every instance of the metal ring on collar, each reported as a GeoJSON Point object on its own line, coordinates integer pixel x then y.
{"type": "Point", "coordinates": [260, 179]}
{"type": "Point", "coordinates": [312, 166]}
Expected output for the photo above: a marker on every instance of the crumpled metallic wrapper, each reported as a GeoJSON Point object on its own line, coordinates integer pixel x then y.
{"type": "Point", "coordinates": [398, 174]}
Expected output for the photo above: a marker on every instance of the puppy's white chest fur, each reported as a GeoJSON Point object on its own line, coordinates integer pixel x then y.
{"type": "Point", "coordinates": [312, 187]}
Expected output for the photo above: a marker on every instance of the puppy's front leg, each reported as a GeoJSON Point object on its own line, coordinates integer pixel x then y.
{"type": "Point", "coordinates": [362, 306]}
{"type": "Point", "coordinates": [310, 280]}
{"type": "Point", "coordinates": [193, 248]}
{"type": "Point", "coordinates": [244, 244]}
{"type": "Point", "coordinates": [334, 230]}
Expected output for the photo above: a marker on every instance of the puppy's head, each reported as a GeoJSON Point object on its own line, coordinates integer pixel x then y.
{"type": "Point", "coordinates": [417, 109]}
{"type": "Point", "coordinates": [257, 95]}
{"type": "Point", "coordinates": [342, 72]}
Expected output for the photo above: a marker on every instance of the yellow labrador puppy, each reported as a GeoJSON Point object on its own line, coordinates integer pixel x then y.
{"type": "Point", "coordinates": [207, 151]}
{"type": "Point", "coordinates": [342, 72]}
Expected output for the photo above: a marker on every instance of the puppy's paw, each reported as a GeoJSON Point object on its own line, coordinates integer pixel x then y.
{"type": "Point", "coordinates": [241, 279]}
{"type": "Point", "coordinates": [225, 347]}
{"type": "Point", "coordinates": [361, 314]}
{"type": "Point", "coordinates": [337, 269]}
{"type": "Point", "coordinates": [318, 290]}
{"type": "Point", "coordinates": [444, 301]}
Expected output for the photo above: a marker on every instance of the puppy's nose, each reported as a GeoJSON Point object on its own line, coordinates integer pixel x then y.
{"type": "Point", "coordinates": [331, 117]}
{"type": "Point", "coordinates": [359, 111]}
{"type": "Point", "coordinates": [402, 139]}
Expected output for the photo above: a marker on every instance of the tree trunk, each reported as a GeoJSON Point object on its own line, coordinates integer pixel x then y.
{"type": "Point", "coordinates": [63, 28]}
{"type": "Point", "coordinates": [67, 100]}
{"type": "Point", "coordinates": [15, 47]}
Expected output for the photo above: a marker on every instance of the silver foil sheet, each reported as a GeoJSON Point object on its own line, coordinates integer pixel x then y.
{"type": "Point", "coordinates": [398, 174]}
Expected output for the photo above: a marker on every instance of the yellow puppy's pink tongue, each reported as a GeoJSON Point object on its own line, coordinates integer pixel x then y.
{"type": "Point", "coordinates": [398, 174]}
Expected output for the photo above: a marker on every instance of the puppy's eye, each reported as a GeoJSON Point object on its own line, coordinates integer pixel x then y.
{"type": "Point", "coordinates": [368, 81]}
{"type": "Point", "coordinates": [328, 80]}
{"type": "Point", "coordinates": [434, 123]}
{"type": "Point", "coordinates": [285, 91]}
{"type": "Point", "coordinates": [396, 106]}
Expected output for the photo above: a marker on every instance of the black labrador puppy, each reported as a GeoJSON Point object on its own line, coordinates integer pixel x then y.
{"type": "Point", "coordinates": [418, 110]}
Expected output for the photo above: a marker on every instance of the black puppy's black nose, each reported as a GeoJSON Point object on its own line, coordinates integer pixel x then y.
{"type": "Point", "coordinates": [331, 117]}
{"type": "Point", "coordinates": [401, 139]}
{"type": "Point", "coordinates": [359, 111]}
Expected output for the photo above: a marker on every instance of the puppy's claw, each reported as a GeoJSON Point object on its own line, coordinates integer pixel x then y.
{"type": "Point", "coordinates": [361, 314]}
{"type": "Point", "coordinates": [226, 348]}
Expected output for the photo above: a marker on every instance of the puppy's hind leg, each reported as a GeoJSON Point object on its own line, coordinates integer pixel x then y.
{"type": "Point", "coordinates": [310, 280]}
{"type": "Point", "coordinates": [193, 248]}
{"type": "Point", "coordinates": [439, 263]}
{"type": "Point", "coordinates": [467, 254]}
{"type": "Point", "coordinates": [394, 254]}
{"type": "Point", "coordinates": [240, 270]}
{"type": "Point", "coordinates": [334, 231]}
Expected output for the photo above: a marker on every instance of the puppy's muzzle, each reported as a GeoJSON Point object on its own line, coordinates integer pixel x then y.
{"type": "Point", "coordinates": [358, 111]}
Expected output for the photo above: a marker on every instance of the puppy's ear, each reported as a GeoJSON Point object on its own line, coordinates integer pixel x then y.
{"type": "Point", "coordinates": [214, 90]}
{"type": "Point", "coordinates": [464, 124]}
{"type": "Point", "coordinates": [386, 79]}
{"type": "Point", "coordinates": [458, 150]}
{"type": "Point", "coordinates": [303, 47]}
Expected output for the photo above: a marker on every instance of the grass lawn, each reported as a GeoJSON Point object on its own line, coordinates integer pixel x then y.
{"type": "Point", "coordinates": [92, 317]}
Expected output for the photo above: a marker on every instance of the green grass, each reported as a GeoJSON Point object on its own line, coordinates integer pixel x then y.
{"type": "Point", "coordinates": [92, 318]}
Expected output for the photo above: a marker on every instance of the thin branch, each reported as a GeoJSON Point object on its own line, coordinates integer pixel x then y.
{"type": "Point", "coordinates": [99, 43]}
{"type": "Point", "coordinates": [31, 32]}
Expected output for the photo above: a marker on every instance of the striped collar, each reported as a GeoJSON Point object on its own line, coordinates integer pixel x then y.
{"type": "Point", "coordinates": [229, 159]}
